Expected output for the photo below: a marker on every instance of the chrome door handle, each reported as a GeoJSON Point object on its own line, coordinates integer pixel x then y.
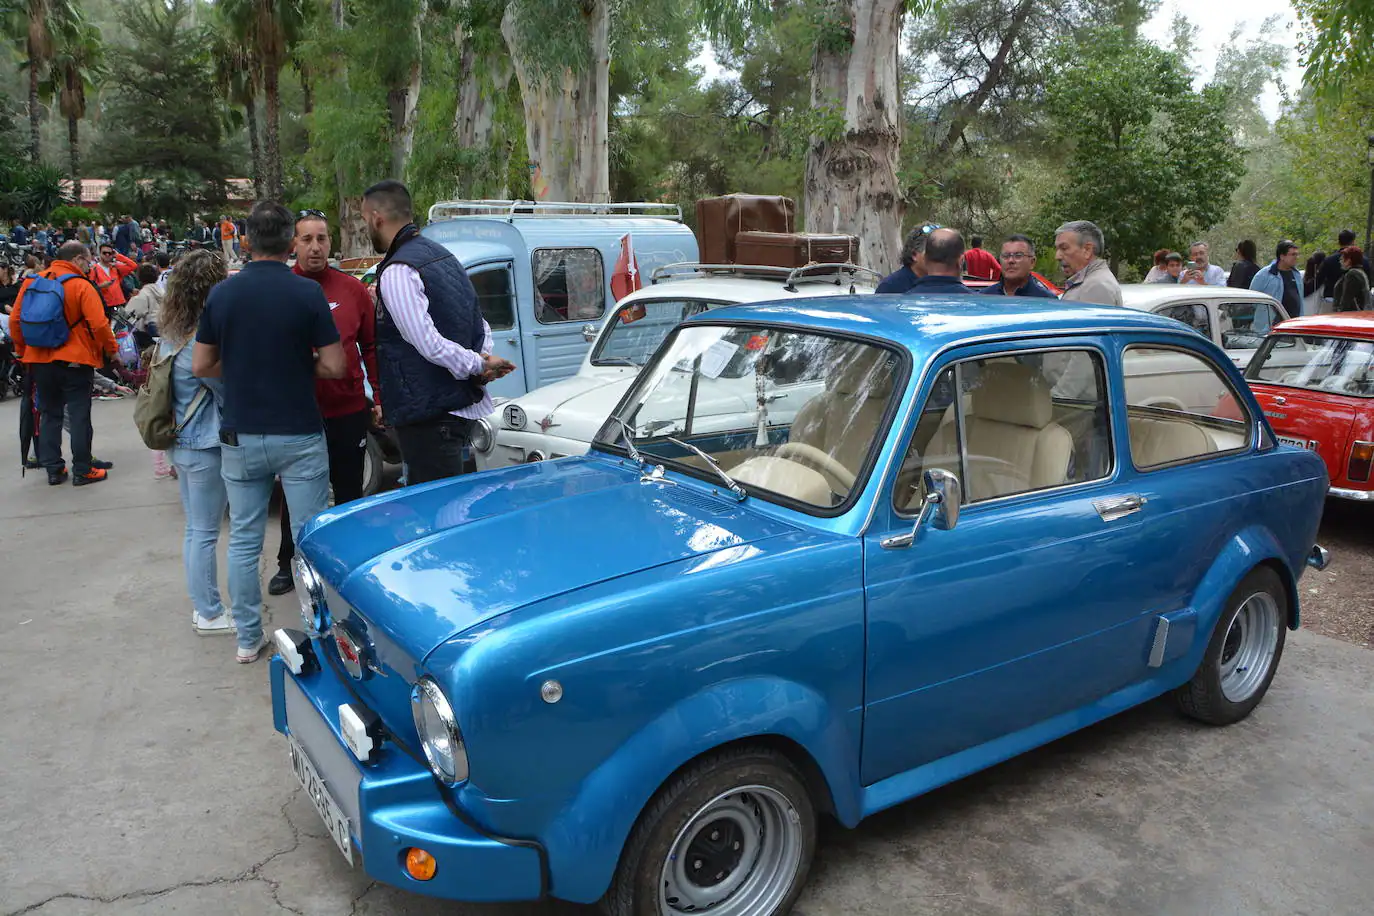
{"type": "Point", "coordinates": [1112, 508]}
{"type": "Point", "coordinates": [512, 341]}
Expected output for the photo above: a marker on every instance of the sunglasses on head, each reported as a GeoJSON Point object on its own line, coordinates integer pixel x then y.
{"type": "Point", "coordinates": [310, 214]}
{"type": "Point", "coordinates": [928, 228]}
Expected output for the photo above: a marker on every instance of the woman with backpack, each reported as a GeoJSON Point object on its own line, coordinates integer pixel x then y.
{"type": "Point", "coordinates": [195, 415]}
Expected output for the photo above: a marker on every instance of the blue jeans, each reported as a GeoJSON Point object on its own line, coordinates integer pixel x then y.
{"type": "Point", "coordinates": [203, 500]}
{"type": "Point", "coordinates": [250, 468]}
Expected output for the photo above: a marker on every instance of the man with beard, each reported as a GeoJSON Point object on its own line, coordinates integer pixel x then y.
{"type": "Point", "coordinates": [433, 346]}
{"type": "Point", "coordinates": [343, 402]}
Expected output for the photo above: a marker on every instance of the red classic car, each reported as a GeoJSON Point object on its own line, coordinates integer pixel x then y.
{"type": "Point", "coordinates": [1314, 379]}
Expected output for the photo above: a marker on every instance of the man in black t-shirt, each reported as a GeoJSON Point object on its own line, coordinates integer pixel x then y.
{"type": "Point", "coordinates": [268, 333]}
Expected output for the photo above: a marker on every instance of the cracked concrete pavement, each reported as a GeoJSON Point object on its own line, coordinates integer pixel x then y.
{"type": "Point", "coordinates": [142, 775]}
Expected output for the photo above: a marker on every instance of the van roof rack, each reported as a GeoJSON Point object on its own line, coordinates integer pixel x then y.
{"type": "Point", "coordinates": [833, 273]}
{"type": "Point", "coordinates": [511, 210]}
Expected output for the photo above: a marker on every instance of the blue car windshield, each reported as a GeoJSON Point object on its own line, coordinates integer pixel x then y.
{"type": "Point", "coordinates": [790, 415]}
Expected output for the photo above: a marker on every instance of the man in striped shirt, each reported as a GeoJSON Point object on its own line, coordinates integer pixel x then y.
{"type": "Point", "coordinates": [433, 346]}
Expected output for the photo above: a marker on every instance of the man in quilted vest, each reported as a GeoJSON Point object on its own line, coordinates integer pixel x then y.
{"type": "Point", "coordinates": [433, 346]}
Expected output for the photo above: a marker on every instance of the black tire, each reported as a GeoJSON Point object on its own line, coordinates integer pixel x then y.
{"type": "Point", "coordinates": [373, 464]}
{"type": "Point", "coordinates": [1202, 698]}
{"type": "Point", "coordinates": [635, 888]}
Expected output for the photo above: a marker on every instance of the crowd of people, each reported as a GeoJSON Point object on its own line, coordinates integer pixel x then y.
{"type": "Point", "coordinates": [935, 260]}
{"type": "Point", "coordinates": [129, 237]}
{"type": "Point", "coordinates": [270, 377]}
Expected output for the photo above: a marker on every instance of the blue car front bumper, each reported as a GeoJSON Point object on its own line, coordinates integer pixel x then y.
{"type": "Point", "coordinates": [394, 803]}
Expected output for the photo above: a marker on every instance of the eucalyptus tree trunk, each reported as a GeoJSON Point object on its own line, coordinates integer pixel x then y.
{"type": "Point", "coordinates": [250, 113]}
{"type": "Point", "coordinates": [403, 102]}
{"type": "Point", "coordinates": [271, 137]}
{"type": "Point", "coordinates": [354, 241]}
{"type": "Point", "coordinates": [851, 176]}
{"type": "Point", "coordinates": [482, 80]}
{"type": "Point", "coordinates": [566, 126]}
{"type": "Point", "coordinates": [74, 153]}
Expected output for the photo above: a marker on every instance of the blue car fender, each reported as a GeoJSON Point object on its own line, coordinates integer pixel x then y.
{"type": "Point", "coordinates": [584, 840]}
{"type": "Point", "coordinates": [1247, 549]}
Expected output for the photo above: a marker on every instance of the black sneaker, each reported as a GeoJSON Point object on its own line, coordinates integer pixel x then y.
{"type": "Point", "coordinates": [102, 465]}
{"type": "Point", "coordinates": [281, 583]}
{"type": "Point", "coordinates": [94, 475]}
{"type": "Point", "coordinates": [32, 464]}
{"type": "Point", "coordinates": [57, 477]}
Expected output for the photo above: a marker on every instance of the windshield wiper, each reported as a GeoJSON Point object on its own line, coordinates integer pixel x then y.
{"type": "Point", "coordinates": [629, 436]}
{"type": "Point", "coordinates": [735, 488]}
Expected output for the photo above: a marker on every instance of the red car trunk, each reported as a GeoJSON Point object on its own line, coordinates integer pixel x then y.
{"type": "Point", "coordinates": [1312, 419]}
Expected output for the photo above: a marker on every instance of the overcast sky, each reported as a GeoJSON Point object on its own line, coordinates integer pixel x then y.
{"type": "Point", "coordinates": [1215, 20]}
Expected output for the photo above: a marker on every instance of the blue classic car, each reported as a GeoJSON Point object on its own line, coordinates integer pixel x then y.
{"type": "Point", "coordinates": [641, 675]}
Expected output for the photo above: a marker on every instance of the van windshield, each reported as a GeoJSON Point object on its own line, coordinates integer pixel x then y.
{"type": "Point", "coordinates": [636, 329]}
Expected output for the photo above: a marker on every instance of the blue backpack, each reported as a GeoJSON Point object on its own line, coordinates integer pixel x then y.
{"type": "Point", "coordinates": [43, 315]}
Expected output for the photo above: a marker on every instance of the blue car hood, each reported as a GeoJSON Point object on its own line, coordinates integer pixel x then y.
{"type": "Point", "coordinates": [426, 563]}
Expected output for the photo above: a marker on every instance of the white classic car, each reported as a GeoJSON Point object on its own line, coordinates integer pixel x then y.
{"type": "Point", "coordinates": [1234, 319]}
{"type": "Point", "coordinates": [561, 419]}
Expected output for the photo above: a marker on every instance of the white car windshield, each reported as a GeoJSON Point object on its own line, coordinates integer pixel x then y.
{"type": "Point", "coordinates": [637, 328]}
{"type": "Point", "coordinates": [1336, 364]}
{"type": "Point", "coordinates": [795, 415]}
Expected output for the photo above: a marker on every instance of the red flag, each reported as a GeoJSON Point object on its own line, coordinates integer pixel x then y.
{"type": "Point", "coordinates": [625, 278]}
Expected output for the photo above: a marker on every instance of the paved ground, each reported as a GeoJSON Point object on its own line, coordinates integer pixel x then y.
{"type": "Point", "coordinates": [142, 776]}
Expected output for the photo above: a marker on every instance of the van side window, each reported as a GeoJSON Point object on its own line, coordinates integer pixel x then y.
{"type": "Point", "coordinates": [494, 297]}
{"type": "Point", "coordinates": [569, 283]}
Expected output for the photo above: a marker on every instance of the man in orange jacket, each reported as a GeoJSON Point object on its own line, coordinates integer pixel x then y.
{"type": "Point", "coordinates": [108, 275]}
{"type": "Point", "coordinates": [62, 375]}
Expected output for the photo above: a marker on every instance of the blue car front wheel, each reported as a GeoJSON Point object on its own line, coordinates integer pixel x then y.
{"type": "Point", "coordinates": [733, 835]}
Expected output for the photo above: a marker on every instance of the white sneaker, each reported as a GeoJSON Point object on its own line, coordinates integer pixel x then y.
{"type": "Point", "coordinates": [224, 623]}
{"type": "Point", "coordinates": [250, 655]}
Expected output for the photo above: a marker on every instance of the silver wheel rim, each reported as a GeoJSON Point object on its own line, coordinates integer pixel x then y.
{"type": "Point", "coordinates": [367, 468]}
{"type": "Point", "coordinates": [737, 856]}
{"type": "Point", "coordinates": [1247, 651]}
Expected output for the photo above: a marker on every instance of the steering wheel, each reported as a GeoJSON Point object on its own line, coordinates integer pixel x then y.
{"type": "Point", "coordinates": [813, 457]}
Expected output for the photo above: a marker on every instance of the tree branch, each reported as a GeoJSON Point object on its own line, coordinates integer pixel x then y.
{"type": "Point", "coordinates": [980, 95]}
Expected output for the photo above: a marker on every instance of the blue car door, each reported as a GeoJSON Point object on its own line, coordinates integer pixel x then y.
{"type": "Point", "coordinates": [1033, 604]}
{"type": "Point", "coordinates": [495, 285]}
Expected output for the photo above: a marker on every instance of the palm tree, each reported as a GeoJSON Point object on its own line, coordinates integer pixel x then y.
{"type": "Point", "coordinates": [239, 78]}
{"type": "Point", "coordinates": [33, 22]}
{"type": "Point", "coordinates": [270, 28]}
{"type": "Point", "coordinates": [77, 63]}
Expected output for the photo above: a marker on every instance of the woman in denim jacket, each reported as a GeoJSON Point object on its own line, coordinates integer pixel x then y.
{"type": "Point", "coordinates": [196, 454]}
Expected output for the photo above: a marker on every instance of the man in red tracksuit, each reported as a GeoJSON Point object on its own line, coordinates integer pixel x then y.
{"type": "Point", "coordinates": [347, 411]}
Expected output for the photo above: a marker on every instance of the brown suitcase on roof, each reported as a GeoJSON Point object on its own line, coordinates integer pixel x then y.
{"type": "Point", "coordinates": [795, 249]}
{"type": "Point", "coordinates": [720, 219]}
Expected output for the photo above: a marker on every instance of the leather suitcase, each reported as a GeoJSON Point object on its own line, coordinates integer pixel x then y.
{"type": "Point", "coordinates": [721, 219]}
{"type": "Point", "coordinates": [795, 249]}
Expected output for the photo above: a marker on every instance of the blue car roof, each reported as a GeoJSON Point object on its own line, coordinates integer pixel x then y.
{"type": "Point", "coordinates": [923, 323]}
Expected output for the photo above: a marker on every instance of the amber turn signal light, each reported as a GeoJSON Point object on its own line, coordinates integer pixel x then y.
{"type": "Point", "coordinates": [420, 865]}
{"type": "Point", "coordinates": [1361, 457]}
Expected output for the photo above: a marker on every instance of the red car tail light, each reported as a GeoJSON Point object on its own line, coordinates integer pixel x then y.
{"type": "Point", "coordinates": [1361, 456]}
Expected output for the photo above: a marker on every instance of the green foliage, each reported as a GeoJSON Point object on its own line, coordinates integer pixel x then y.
{"type": "Point", "coordinates": [60, 215]}
{"type": "Point", "coordinates": [1339, 45]}
{"type": "Point", "coordinates": [30, 191]}
{"type": "Point", "coordinates": [165, 132]}
{"type": "Point", "coordinates": [1151, 159]}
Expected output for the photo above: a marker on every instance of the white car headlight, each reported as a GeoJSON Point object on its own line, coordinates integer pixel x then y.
{"type": "Point", "coordinates": [482, 438]}
{"type": "Point", "coordinates": [514, 416]}
{"type": "Point", "coordinates": [310, 593]}
{"type": "Point", "coordinates": [439, 735]}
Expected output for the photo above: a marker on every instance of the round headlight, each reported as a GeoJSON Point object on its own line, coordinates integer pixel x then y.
{"type": "Point", "coordinates": [310, 593]}
{"type": "Point", "coordinates": [482, 439]}
{"type": "Point", "coordinates": [439, 735]}
{"type": "Point", "coordinates": [514, 415]}
{"type": "Point", "coordinates": [534, 456]}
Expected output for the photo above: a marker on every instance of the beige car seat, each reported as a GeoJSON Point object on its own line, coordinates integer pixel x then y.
{"type": "Point", "coordinates": [842, 420]}
{"type": "Point", "coordinates": [1011, 439]}
{"type": "Point", "coordinates": [1155, 440]}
